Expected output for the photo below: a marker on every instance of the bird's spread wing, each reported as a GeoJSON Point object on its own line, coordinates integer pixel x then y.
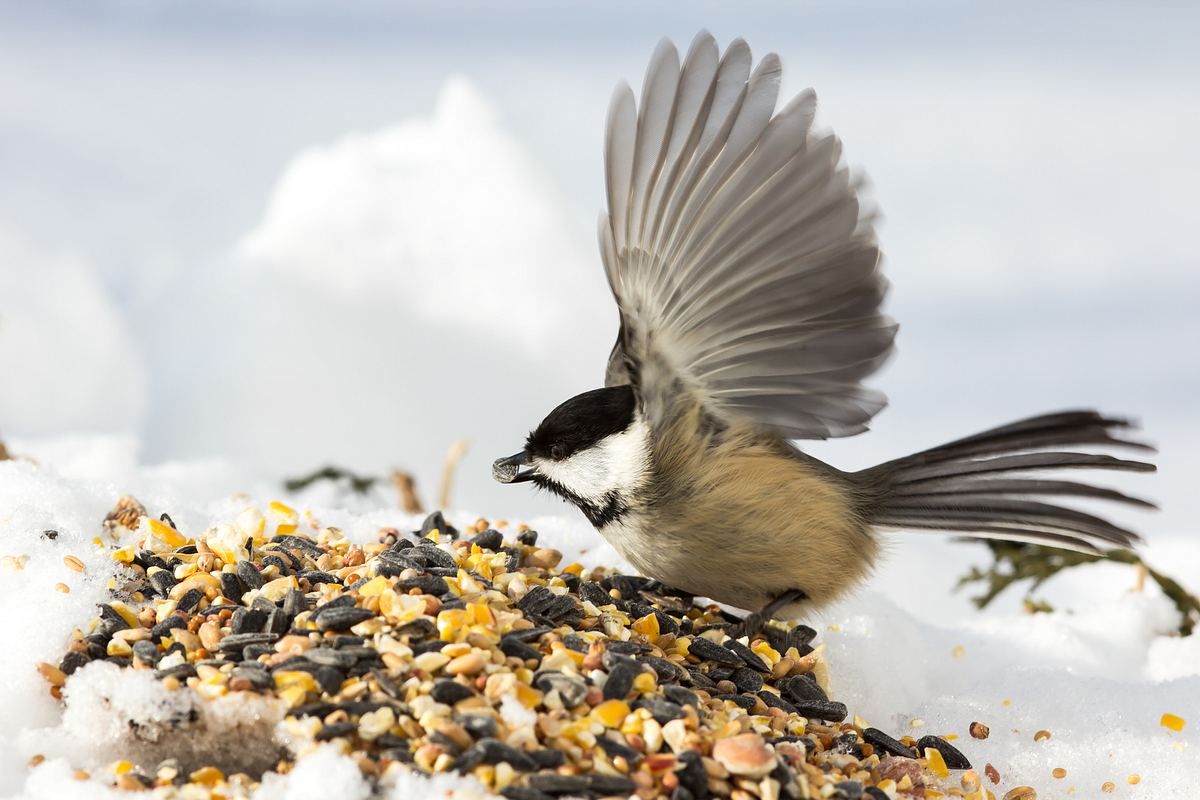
{"type": "Point", "coordinates": [737, 252]}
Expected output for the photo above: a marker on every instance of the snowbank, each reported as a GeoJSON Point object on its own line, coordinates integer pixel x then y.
{"type": "Point", "coordinates": [1098, 678]}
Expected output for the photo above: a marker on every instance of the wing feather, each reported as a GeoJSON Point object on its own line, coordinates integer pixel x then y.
{"type": "Point", "coordinates": [737, 249]}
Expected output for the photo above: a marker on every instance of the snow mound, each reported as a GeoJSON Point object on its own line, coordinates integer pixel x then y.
{"type": "Point", "coordinates": [1098, 680]}
{"type": "Point", "coordinates": [409, 211]}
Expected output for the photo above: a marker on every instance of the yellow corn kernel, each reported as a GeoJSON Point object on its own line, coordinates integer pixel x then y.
{"type": "Point", "coordinates": [766, 652]}
{"type": "Point", "coordinates": [610, 713]}
{"type": "Point", "coordinates": [529, 697]}
{"type": "Point", "coordinates": [936, 763]}
{"type": "Point", "coordinates": [276, 589]}
{"type": "Point", "coordinates": [121, 767]}
{"type": "Point", "coordinates": [209, 776]}
{"type": "Point", "coordinates": [119, 647]}
{"type": "Point", "coordinates": [479, 614]}
{"type": "Point", "coordinates": [281, 509]}
{"type": "Point", "coordinates": [165, 533]}
{"type": "Point", "coordinates": [647, 626]}
{"type": "Point", "coordinates": [575, 568]}
{"type": "Point", "coordinates": [286, 679]}
{"type": "Point", "coordinates": [293, 695]}
{"type": "Point", "coordinates": [375, 586]}
{"type": "Point", "coordinates": [645, 682]}
{"type": "Point", "coordinates": [125, 554]}
{"type": "Point", "coordinates": [1172, 722]}
{"type": "Point", "coordinates": [450, 623]}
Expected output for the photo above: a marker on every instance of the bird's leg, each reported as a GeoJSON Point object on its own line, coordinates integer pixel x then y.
{"type": "Point", "coordinates": [751, 624]}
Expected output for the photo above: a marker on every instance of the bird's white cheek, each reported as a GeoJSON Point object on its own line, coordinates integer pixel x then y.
{"type": "Point", "coordinates": [616, 464]}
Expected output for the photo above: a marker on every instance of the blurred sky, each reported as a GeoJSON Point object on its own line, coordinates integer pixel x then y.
{"type": "Point", "coordinates": [286, 233]}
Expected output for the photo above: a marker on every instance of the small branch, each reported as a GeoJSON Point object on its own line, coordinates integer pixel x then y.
{"type": "Point", "coordinates": [359, 483]}
{"type": "Point", "coordinates": [453, 456]}
{"type": "Point", "coordinates": [1013, 562]}
{"type": "Point", "coordinates": [406, 487]}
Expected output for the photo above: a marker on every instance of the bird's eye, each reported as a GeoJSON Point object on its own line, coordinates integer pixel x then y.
{"type": "Point", "coordinates": [557, 452]}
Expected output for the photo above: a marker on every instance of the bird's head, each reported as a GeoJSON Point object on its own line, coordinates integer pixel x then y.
{"type": "Point", "coordinates": [592, 450]}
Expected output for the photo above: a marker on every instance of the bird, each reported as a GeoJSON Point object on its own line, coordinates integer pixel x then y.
{"type": "Point", "coordinates": [748, 278]}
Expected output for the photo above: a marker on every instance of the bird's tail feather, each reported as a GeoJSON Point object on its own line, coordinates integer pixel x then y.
{"type": "Point", "coordinates": [978, 486]}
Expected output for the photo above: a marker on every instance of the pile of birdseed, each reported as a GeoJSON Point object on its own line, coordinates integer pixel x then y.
{"type": "Point", "coordinates": [473, 652]}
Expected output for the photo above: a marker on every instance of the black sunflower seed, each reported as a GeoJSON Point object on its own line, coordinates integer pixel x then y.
{"type": "Point", "coordinates": [620, 678]}
{"type": "Point", "coordinates": [493, 751]}
{"type": "Point", "coordinates": [236, 641]}
{"type": "Point", "coordinates": [316, 576]}
{"type": "Point", "coordinates": [593, 784]}
{"type": "Point", "coordinates": [747, 679]}
{"type": "Point", "coordinates": [803, 688]}
{"type": "Point", "coordinates": [329, 679]}
{"type": "Point", "coordinates": [693, 776]}
{"type": "Point", "coordinates": [72, 661]}
{"type": "Point", "coordinates": [277, 622]}
{"type": "Point", "coordinates": [706, 650]}
{"type": "Point", "coordinates": [335, 731]}
{"type": "Point", "coordinates": [276, 560]}
{"type": "Point", "coordinates": [433, 556]}
{"type": "Point", "coordinates": [449, 691]}
{"type": "Point", "coordinates": [146, 652]}
{"type": "Point", "coordinates": [249, 575]}
{"type": "Point", "coordinates": [528, 537]}
{"type": "Point", "coordinates": [681, 696]}
{"type": "Point", "coordinates": [829, 711]}
{"type": "Point", "coordinates": [666, 670]}
{"type": "Point", "coordinates": [294, 602]}
{"type": "Point", "coordinates": [169, 624]}
{"type": "Point", "coordinates": [246, 620]}
{"type": "Point", "coordinates": [293, 542]}
{"type": "Point", "coordinates": [748, 656]}
{"type": "Point", "coordinates": [480, 726]}
{"type": "Point", "coordinates": [952, 756]}
{"type": "Point", "coordinates": [163, 581]}
{"type": "Point", "coordinates": [342, 618]}
{"type": "Point", "coordinates": [427, 584]}
{"type": "Point", "coordinates": [661, 709]}
{"type": "Point", "coordinates": [232, 587]}
{"type": "Point", "coordinates": [436, 521]}
{"type": "Point", "coordinates": [775, 701]}
{"type": "Point", "coordinates": [518, 649]}
{"type": "Point", "coordinates": [524, 793]}
{"type": "Point", "coordinates": [328, 657]}
{"type": "Point", "coordinates": [615, 749]}
{"type": "Point", "coordinates": [881, 741]}
{"type": "Point", "coordinates": [744, 701]}
{"type": "Point", "coordinates": [594, 593]}
{"type": "Point", "coordinates": [548, 758]}
{"type": "Point", "coordinates": [488, 540]}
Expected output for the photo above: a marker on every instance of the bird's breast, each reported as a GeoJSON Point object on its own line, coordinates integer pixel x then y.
{"type": "Point", "coordinates": [742, 526]}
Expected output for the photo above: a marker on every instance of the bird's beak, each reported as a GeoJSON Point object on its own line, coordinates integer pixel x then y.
{"type": "Point", "coordinates": [508, 470]}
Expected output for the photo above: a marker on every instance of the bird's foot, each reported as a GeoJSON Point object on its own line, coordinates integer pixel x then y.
{"type": "Point", "coordinates": [752, 623]}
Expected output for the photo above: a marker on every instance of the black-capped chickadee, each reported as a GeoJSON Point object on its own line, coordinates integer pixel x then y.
{"type": "Point", "coordinates": [749, 287]}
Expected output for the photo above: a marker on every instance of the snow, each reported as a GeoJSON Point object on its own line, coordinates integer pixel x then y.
{"type": "Point", "coordinates": [1097, 674]}
{"type": "Point", "coordinates": [439, 213]}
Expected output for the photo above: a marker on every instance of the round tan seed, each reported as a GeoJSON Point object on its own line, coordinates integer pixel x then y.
{"type": "Point", "coordinates": [470, 664]}
{"type": "Point", "coordinates": [1021, 793]}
